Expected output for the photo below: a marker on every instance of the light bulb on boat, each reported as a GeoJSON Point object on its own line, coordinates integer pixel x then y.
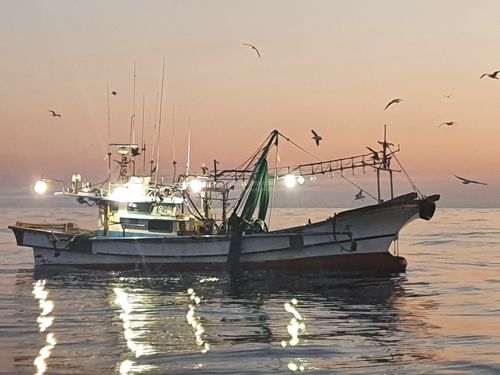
{"type": "Point", "coordinates": [196, 185]}
{"type": "Point", "coordinates": [300, 179]}
{"type": "Point", "coordinates": [290, 180]}
{"type": "Point", "coordinates": [313, 178]}
{"type": "Point", "coordinates": [120, 194]}
{"type": "Point", "coordinates": [40, 187]}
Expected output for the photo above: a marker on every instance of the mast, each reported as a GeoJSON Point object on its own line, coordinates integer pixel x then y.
{"type": "Point", "coordinates": [143, 145]}
{"type": "Point", "coordinates": [109, 138]}
{"type": "Point", "coordinates": [154, 145]}
{"type": "Point", "coordinates": [159, 122]}
{"type": "Point", "coordinates": [189, 148]}
{"type": "Point", "coordinates": [174, 162]}
{"type": "Point", "coordinates": [132, 126]}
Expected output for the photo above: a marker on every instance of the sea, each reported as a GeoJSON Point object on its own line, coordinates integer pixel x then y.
{"type": "Point", "coordinates": [440, 317]}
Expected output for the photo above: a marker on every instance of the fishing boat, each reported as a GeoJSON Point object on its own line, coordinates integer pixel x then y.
{"type": "Point", "coordinates": [147, 224]}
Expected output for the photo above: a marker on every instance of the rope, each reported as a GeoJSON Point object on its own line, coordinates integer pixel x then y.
{"type": "Point", "coordinates": [415, 188]}
{"type": "Point", "coordinates": [299, 147]}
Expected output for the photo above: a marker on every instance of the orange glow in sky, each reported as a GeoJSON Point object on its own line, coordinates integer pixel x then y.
{"type": "Point", "coordinates": [329, 65]}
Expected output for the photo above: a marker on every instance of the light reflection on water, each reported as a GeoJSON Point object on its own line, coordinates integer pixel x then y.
{"type": "Point", "coordinates": [295, 327]}
{"type": "Point", "coordinates": [304, 323]}
{"type": "Point", "coordinates": [44, 321]}
{"type": "Point", "coordinates": [135, 328]}
{"type": "Point", "coordinates": [195, 322]}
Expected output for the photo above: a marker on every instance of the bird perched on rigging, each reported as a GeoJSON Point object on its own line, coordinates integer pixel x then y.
{"type": "Point", "coordinates": [316, 137]}
{"type": "Point", "coordinates": [253, 47]}
{"type": "Point", "coordinates": [54, 113]}
{"type": "Point", "coordinates": [449, 123]}
{"type": "Point", "coordinates": [375, 153]}
{"type": "Point", "coordinates": [385, 144]}
{"type": "Point", "coordinates": [393, 101]}
{"type": "Point", "coordinates": [135, 150]}
{"type": "Point", "coordinates": [466, 181]}
{"type": "Point", "coordinates": [493, 75]}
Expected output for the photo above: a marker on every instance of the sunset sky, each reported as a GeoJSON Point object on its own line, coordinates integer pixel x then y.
{"type": "Point", "coordinates": [329, 65]}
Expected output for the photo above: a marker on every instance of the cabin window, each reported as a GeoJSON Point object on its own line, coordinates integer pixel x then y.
{"type": "Point", "coordinates": [132, 223]}
{"type": "Point", "coordinates": [138, 207]}
{"type": "Point", "coordinates": [160, 226]}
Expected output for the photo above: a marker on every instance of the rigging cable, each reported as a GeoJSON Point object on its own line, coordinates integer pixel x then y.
{"type": "Point", "coordinates": [275, 178]}
{"type": "Point", "coordinates": [406, 173]}
{"type": "Point", "coordinates": [159, 123]}
{"type": "Point", "coordinates": [301, 148]}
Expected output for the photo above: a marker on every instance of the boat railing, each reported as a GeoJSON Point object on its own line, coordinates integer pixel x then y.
{"type": "Point", "coordinates": [64, 227]}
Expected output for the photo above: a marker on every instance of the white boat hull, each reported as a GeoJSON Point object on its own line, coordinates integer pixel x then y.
{"type": "Point", "coordinates": [353, 240]}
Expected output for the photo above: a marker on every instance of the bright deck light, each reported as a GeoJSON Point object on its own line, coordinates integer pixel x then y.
{"type": "Point", "coordinates": [120, 194]}
{"type": "Point", "coordinates": [196, 185]}
{"type": "Point", "coordinates": [290, 181]}
{"type": "Point", "coordinates": [40, 187]}
{"type": "Point", "coordinates": [300, 180]}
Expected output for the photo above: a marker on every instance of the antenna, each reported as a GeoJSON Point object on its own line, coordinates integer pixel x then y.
{"type": "Point", "coordinates": [109, 135]}
{"type": "Point", "coordinates": [154, 136]}
{"type": "Point", "coordinates": [133, 103]}
{"type": "Point", "coordinates": [132, 119]}
{"type": "Point", "coordinates": [143, 146]}
{"type": "Point", "coordinates": [174, 162]}
{"type": "Point", "coordinates": [189, 148]}
{"type": "Point", "coordinates": [159, 121]}
{"type": "Point", "coordinates": [109, 118]}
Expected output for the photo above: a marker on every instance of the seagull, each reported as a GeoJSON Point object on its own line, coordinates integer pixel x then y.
{"type": "Point", "coordinates": [493, 75]}
{"type": "Point", "coordinates": [316, 137]}
{"type": "Point", "coordinates": [392, 102]}
{"type": "Point", "coordinates": [114, 93]}
{"type": "Point", "coordinates": [466, 181]}
{"type": "Point", "coordinates": [54, 114]}
{"type": "Point", "coordinates": [447, 96]}
{"type": "Point", "coordinates": [135, 151]}
{"type": "Point", "coordinates": [253, 47]}
{"type": "Point", "coordinates": [359, 195]}
{"type": "Point", "coordinates": [450, 123]}
{"type": "Point", "coordinates": [375, 153]}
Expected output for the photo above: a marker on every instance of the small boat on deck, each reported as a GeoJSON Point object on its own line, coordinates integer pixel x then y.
{"type": "Point", "coordinates": [143, 224]}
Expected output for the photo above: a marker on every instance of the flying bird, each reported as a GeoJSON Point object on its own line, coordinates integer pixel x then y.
{"type": "Point", "coordinates": [54, 113]}
{"type": "Point", "coordinates": [493, 75]}
{"type": "Point", "coordinates": [466, 181]}
{"type": "Point", "coordinates": [253, 47]}
{"type": "Point", "coordinates": [375, 153]}
{"type": "Point", "coordinates": [114, 93]}
{"type": "Point", "coordinates": [449, 123]}
{"type": "Point", "coordinates": [393, 102]}
{"type": "Point", "coordinates": [316, 137]}
{"type": "Point", "coordinates": [447, 96]}
{"type": "Point", "coordinates": [359, 196]}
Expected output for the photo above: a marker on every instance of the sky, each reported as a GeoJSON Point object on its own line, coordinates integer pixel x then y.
{"type": "Point", "coordinates": [329, 65]}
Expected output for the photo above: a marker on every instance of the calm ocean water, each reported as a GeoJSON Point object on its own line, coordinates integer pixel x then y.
{"type": "Point", "coordinates": [441, 317]}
